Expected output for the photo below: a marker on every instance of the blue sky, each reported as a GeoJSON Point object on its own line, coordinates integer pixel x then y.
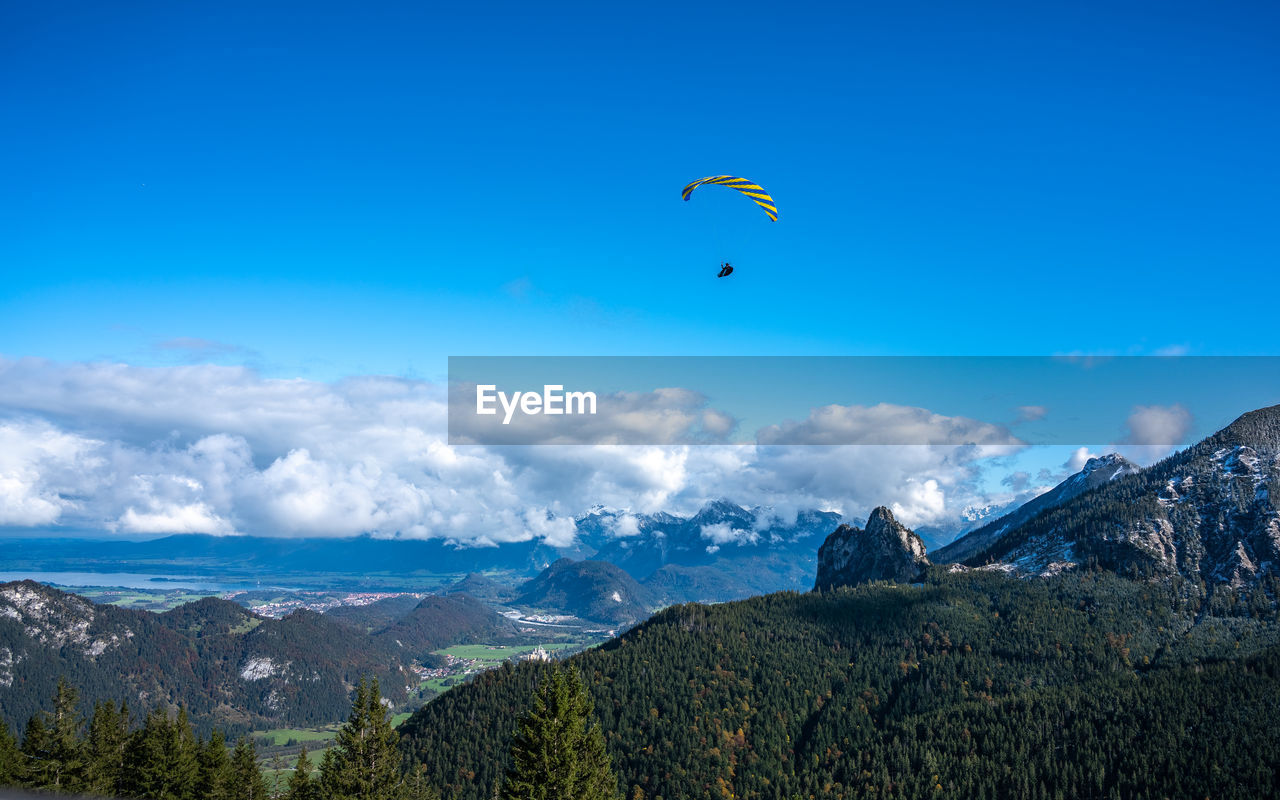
{"type": "Point", "coordinates": [323, 190]}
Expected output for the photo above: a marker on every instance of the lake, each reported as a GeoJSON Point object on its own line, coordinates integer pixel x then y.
{"type": "Point", "coordinates": [128, 580]}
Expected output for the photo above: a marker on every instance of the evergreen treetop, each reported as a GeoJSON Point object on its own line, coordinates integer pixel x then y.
{"type": "Point", "coordinates": [558, 751]}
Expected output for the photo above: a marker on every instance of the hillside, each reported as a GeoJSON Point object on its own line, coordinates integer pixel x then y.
{"type": "Point", "coordinates": [1096, 472]}
{"type": "Point", "coordinates": [376, 615]}
{"type": "Point", "coordinates": [730, 579]}
{"type": "Point", "coordinates": [210, 617]}
{"type": "Point", "coordinates": [961, 687]}
{"type": "Point", "coordinates": [439, 621]}
{"type": "Point", "coordinates": [224, 664]}
{"type": "Point", "coordinates": [483, 587]}
{"type": "Point", "coordinates": [591, 590]}
{"type": "Point", "coordinates": [1206, 513]}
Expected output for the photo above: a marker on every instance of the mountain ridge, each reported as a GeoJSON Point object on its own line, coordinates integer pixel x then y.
{"type": "Point", "coordinates": [592, 590]}
{"type": "Point", "coordinates": [226, 665]}
{"type": "Point", "coordinates": [1095, 472]}
{"type": "Point", "coordinates": [852, 692]}
{"type": "Point", "coordinates": [1205, 513]}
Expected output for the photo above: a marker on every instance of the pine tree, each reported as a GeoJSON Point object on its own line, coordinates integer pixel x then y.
{"type": "Point", "coordinates": [106, 748]}
{"type": "Point", "coordinates": [417, 788]}
{"type": "Point", "coordinates": [10, 758]}
{"type": "Point", "coordinates": [557, 752]}
{"type": "Point", "coordinates": [34, 770]}
{"type": "Point", "coordinates": [66, 750]}
{"type": "Point", "coordinates": [52, 750]}
{"type": "Point", "coordinates": [247, 782]}
{"type": "Point", "coordinates": [301, 787]}
{"type": "Point", "coordinates": [148, 774]}
{"type": "Point", "coordinates": [328, 766]}
{"type": "Point", "coordinates": [215, 769]}
{"type": "Point", "coordinates": [277, 775]}
{"type": "Point", "coordinates": [184, 756]}
{"type": "Point", "coordinates": [365, 764]}
{"type": "Point", "coordinates": [162, 759]}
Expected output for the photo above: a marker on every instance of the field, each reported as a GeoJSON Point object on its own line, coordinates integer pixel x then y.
{"type": "Point", "coordinates": [282, 737]}
{"type": "Point", "coordinates": [278, 748]}
{"type": "Point", "coordinates": [469, 659]}
{"type": "Point", "coordinates": [493, 655]}
{"type": "Point", "coordinates": [143, 599]}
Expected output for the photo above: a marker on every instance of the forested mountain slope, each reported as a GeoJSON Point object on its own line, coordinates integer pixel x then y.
{"type": "Point", "coordinates": [482, 587]}
{"type": "Point", "coordinates": [376, 615]}
{"type": "Point", "coordinates": [973, 684]}
{"type": "Point", "coordinates": [1206, 513]}
{"type": "Point", "coordinates": [1096, 472]}
{"type": "Point", "coordinates": [439, 621]}
{"type": "Point", "coordinates": [226, 665]}
{"type": "Point", "coordinates": [591, 590]}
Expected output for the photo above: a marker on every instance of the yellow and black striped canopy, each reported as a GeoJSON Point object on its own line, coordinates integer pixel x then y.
{"type": "Point", "coordinates": [752, 190]}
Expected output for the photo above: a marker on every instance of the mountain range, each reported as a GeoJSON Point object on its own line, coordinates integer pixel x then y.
{"type": "Point", "coordinates": [226, 665]}
{"type": "Point", "coordinates": [1202, 520]}
{"type": "Point", "coordinates": [722, 552]}
{"type": "Point", "coordinates": [1075, 627]}
{"type": "Point", "coordinates": [1205, 513]}
{"type": "Point", "coordinates": [219, 660]}
{"type": "Point", "coordinates": [1096, 472]}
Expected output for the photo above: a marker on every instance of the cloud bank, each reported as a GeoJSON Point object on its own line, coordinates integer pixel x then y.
{"type": "Point", "coordinates": [223, 450]}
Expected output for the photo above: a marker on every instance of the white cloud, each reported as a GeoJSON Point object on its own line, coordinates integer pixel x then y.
{"type": "Point", "coordinates": [40, 471]}
{"type": "Point", "coordinates": [1155, 431]}
{"type": "Point", "coordinates": [924, 501]}
{"type": "Point", "coordinates": [222, 450]}
{"type": "Point", "coordinates": [1079, 457]}
{"type": "Point", "coordinates": [190, 518]}
{"type": "Point", "coordinates": [625, 526]}
{"type": "Point", "coordinates": [885, 424]}
{"type": "Point", "coordinates": [722, 533]}
{"type": "Point", "coordinates": [555, 531]}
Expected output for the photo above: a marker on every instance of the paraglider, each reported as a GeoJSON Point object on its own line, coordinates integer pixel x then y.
{"type": "Point", "coordinates": [747, 187]}
{"type": "Point", "coordinates": [752, 190]}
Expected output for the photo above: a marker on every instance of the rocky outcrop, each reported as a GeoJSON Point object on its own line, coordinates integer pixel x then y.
{"type": "Point", "coordinates": [883, 551]}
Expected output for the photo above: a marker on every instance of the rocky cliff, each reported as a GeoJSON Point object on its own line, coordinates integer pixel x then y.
{"type": "Point", "coordinates": [883, 551]}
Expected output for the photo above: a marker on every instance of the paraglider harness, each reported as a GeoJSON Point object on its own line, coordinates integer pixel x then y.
{"type": "Point", "coordinates": [725, 270]}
